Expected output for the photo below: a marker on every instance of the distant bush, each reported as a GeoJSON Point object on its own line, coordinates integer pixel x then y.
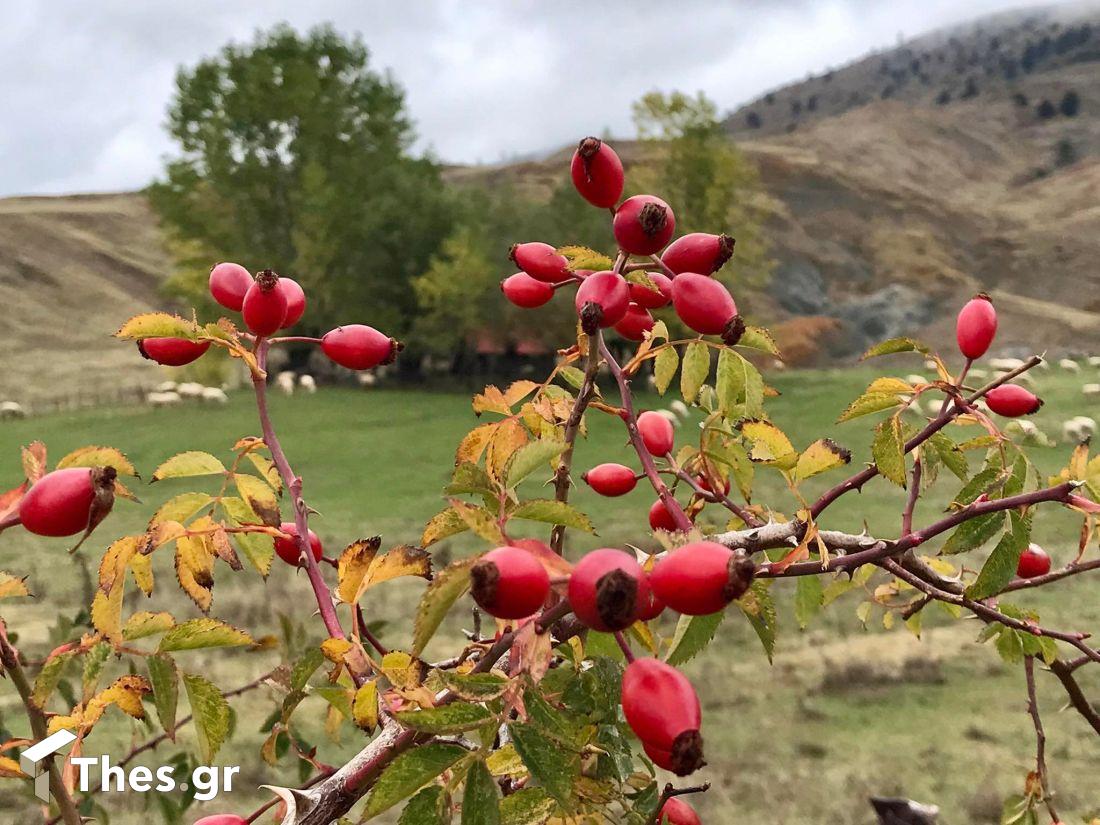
{"type": "Point", "coordinates": [943, 98]}
{"type": "Point", "coordinates": [753, 121]}
{"type": "Point", "coordinates": [1046, 110]}
{"type": "Point", "coordinates": [970, 90]}
{"type": "Point", "coordinates": [1065, 154]}
{"type": "Point", "coordinates": [1070, 104]}
{"type": "Point", "coordinates": [1020, 99]}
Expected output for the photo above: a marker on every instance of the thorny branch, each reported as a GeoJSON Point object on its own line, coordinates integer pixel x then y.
{"type": "Point", "coordinates": [1041, 772]}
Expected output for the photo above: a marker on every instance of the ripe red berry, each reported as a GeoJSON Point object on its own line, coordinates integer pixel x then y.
{"type": "Point", "coordinates": [976, 326]}
{"type": "Point", "coordinates": [657, 433]}
{"type": "Point", "coordinates": [607, 588]}
{"type": "Point", "coordinates": [701, 578]}
{"type": "Point", "coordinates": [1034, 561]}
{"type": "Point", "coordinates": [705, 484]}
{"type": "Point", "coordinates": [678, 812]}
{"type": "Point", "coordinates": [643, 224]}
{"type": "Point", "coordinates": [635, 324]}
{"type": "Point", "coordinates": [660, 518]}
{"type": "Point", "coordinates": [172, 352]}
{"type": "Point", "coordinates": [359, 347]}
{"type": "Point", "coordinates": [1012, 401]}
{"type": "Point", "coordinates": [652, 298]}
{"type": "Point", "coordinates": [67, 502]}
{"type": "Point", "coordinates": [295, 302]}
{"type": "Point", "coordinates": [509, 583]}
{"type": "Point", "coordinates": [662, 709]}
{"type": "Point", "coordinates": [597, 173]}
{"type": "Point", "coordinates": [653, 608]}
{"type": "Point", "coordinates": [607, 290]}
{"type": "Point", "coordinates": [288, 549]}
{"type": "Point", "coordinates": [228, 285]}
{"type": "Point", "coordinates": [698, 252]}
{"type": "Point", "coordinates": [264, 304]}
{"type": "Point", "coordinates": [541, 261]}
{"type": "Point", "coordinates": [222, 819]}
{"type": "Point", "coordinates": [703, 303]}
{"type": "Point", "coordinates": [611, 479]}
{"type": "Point", "coordinates": [524, 291]}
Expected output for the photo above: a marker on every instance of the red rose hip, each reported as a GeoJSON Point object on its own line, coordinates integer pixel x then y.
{"type": "Point", "coordinates": [653, 608]}
{"type": "Point", "coordinates": [662, 709]}
{"type": "Point", "coordinates": [657, 432]}
{"type": "Point", "coordinates": [698, 252]}
{"type": "Point", "coordinates": [643, 296]}
{"type": "Point", "coordinates": [228, 285]}
{"type": "Point", "coordinates": [509, 583]}
{"type": "Point", "coordinates": [295, 302]}
{"type": "Point", "coordinates": [1012, 401]}
{"type": "Point", "coordinates": [264, 304]}
{"type": "Point", "coordinates": [643, 225]}
{"type": "Point", "coordinates": [359, 347]}
{"type": "Point", "coordinates": [701, 578]}
{"type": "Point", "coordinates": [541, 261]}
{"type": "Point", "coordinates": [608, 291]}
{"type": "Point", "coordinates": [607, 588]}
{"type": "Point", "coordinates": [289, 550]}
{"type": "Point", "coordinates": [526, 292]}
{"type": "Point", "coordinates": [172, 352]}
{"type": "Point", "coordinates": [69, 501]}
{"type": "Point", "coordinates": [976, 326]}
{"type": "Point", "coordinates": [597, 173]}
{"type": "Point", "coordinates": [635, 324]}
{"type": "Point", "coordinates": [661, 519]}
{"type": "Point", "coordinates": [678, 812]}
{"type": "Point", "coordinates": [1034, 561]}
{"type": "Point", "coordinates": [703, 304]}
{"type": "Point", "coordinates": [611, 479]}
{"type": "Point", "coordinates": [222, 819]}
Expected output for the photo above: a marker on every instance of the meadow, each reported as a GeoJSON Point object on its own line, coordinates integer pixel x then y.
{"type": "Point", "coordinates": [844, 712]}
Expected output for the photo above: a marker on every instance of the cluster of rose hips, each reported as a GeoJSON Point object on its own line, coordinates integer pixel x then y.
{"type": "Point", "coordinates": [269, 303]}
{"type": "Point", "coordinates": [643, 225]}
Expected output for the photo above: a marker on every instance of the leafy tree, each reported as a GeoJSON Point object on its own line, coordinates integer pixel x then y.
{"type": "Point", "coordinates": [294, 155]}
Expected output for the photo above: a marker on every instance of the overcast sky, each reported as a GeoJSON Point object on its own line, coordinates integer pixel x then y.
{"type": "Point", "coordinates": [84, 85]}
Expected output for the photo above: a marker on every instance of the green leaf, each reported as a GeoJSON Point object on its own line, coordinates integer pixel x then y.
{"type": "Point", "coordinates": [164, 679]}
{"type": "Point", "coordinates": [443, 525]}
{"type": "Point", "coordinates": [809, 598]}
{"type": "Point", "coordinates": [211, 714]}
{"type": "Point", "coordinates": [143, 625]}
{"type": "Point", "coordinates": [664, 368]}
{"type": "Point", "coordinates": [531, 457]}
{"type": "Point", "coordinates": [305, 667]}
{"type": "Point", "coordinates": [446, 587]}
{"type": "Point", "coordinates": [552, 765]}
{"type": "Point", "coordinates": [972, 534]}
{"type": "Point", "coordinates": [181, 508]}
{"type": "Point", "coordinates": [695, 369]}
{"type": "Point", "coordinates": [581, 257]}
{"type": "Point", "coordinates": [982, 482]}
{"type": "Point", "coordinates": [475, 687]}
{"type": "Point", "coordinates": [191, 463]}
{"type": "Point", "coordinates": [469, 478]}
{"type": "Point", "coordinates": [888, 450]}
{"type": "Point", "coordinates": [895, 345]}
{"type": "Point", "coordinates": [94, 661]}
{"type": "Point", "coordinates": [426, 808]}
{"type": "Point", "coordinates": [340, 698]}
{"type": "Point", "coordinates": [481, 799]}
{"type": "Point", "coordinates": [260, 497]}
{"type": "Point", "coordinates": [157, 325]}
{"type": "Point", "coordinates": [693, 633]}
{"type": "Point", "coordinates": [573, 376]}
{"type": "Point", "coordinates": [868, 403]}
{"type": "Point", "coordinates": [759, 338]}
{"type": "Point", "coordinates": [527, 806]}
{"type": "Point", "coordinates": [1000, 567]}
{"type": "Point", "coordinates": [553, 512]}
{"type": "Point", "coordinates": [455, 717]}
{"type": "Point", "coordinates": [49, 677]}
{"type": "Point", "coordinates": [409, 772]}
{"type": "Point", "coordinates": [1010, 647]}
{"type": "Point", "coordinates": [949, 453]}
{"type": "Point", "coordinates": [203, 633]}
{"type": "Point", "coordinates": [759, 608]}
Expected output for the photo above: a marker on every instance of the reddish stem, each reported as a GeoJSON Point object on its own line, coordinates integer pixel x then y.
{"type": "Point", "coordinates": [624, 645]}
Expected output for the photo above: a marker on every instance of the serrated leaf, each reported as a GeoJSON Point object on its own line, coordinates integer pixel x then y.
{"type": "Point", "coordinates": [693, 634]}
{"type": "Point", "coordinates": [664, 368]}
{"type": "Point", "coordinates": [821, 456]}
{"type": "Point", "coordinates": [198, 634]}
{"type": "Point", "coordinates": [552, 765]}
{"type": "Point", "coordinates": [188, 464]}
{"type": "Point", "coordinates": [759, 338]}
{"type": "Point", "coordinates": [426, 808]}
{"type": "Point", "coordinates": [164, 679]}
{"type": "Point", "coordinates": [531, 457]}
{"type": "Point", "coordinates": [409, 772]}
{"type": "Point", "coordinates": [305, 667]}
{"type": "Point", "coordinates": [157, 325]}
{"type": "Point", "coordinates": [469, 478]}
{"type": "Point", "coordinates": [455, 717]}
{"type": "Point", "coordinates": [195, 569]}
{"type": "Point", "coordinates": [260, 498]}
{"type": "Point", "coordinates": [769, 444]}
{"type": "Point", "coordinates": [581, 257]}
{"type": "Point", "coordinates": [404, 560]}
{"type": "Point", "coordinates": [474, 687]}
{"type": "Point", "coordinates": [759, 608]}
{"type": "Point", "coordinates": [694, 371]}
{"type": "Point", "coordinates": [808, 599]}
{"type": "Point", "coordinates": [953, 458]}
{"type": "Point", "coordinates": [49, 677]}
{"type": "Point", "coordinates": [869, 402]}
{"type": "Point", "coordinates": [527, 806]}
{"type": "Point", "coordinates": [972, 534]}
{"type": "Point", "coordinates": [98, 457]}
{"type": "Point", "coordinates": [364, 708]}
{"type": "Point", "coordinates": [107, 613]}
{"type": "Point", "coordinates": [258, 548]}
{"type": "Point", "coordinates": [144, 624]}
{"type": "Point", "coordinates": [553, 512]}
{"type": "Point", "coordinates": [481, 799]}
{"type": "Point", "coordinates": [181, 508]}
{"type": "Point", "coordinates": [12, 587]}
{"type": "Point", "coordinates": [895, 345]}
{"type": "Point", "coordinates": [211, 714]}
{"type": "Point", "coordinates": [443, 525]}
{"type": "Point", "coordinates": [446, 588]}
{"type": "Point", "coordinates": [888, 450]}
{"type": "Point", "coordinates": [1000, 567]}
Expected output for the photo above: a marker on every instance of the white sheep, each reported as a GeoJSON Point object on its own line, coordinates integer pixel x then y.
{"type": "Point", "coordinates": [929, 364]}
{"type": "Point", "coordinates": [285, 382]}
{"type": "Point", "coordinates": [1005, 364]}
{"type": "Point", "coordinates": [367, 379]}
{"type": "Point", "coordinates": [979, 375]}
{"type": "Point", "coordinates": [12, 409]}
{"type": "Point", "coordinates": [681, 409]}
{"type": "Point", "coordinates": [1091, 390]}
{"type": "Point", "coordinates": [1078, 429]}
{"type": "Point", "coordinates": [1069, 365]}
{"type": "Point", "coordinates": [163, 399]}
{"type": "Point", "coordinates": [1043, 364]}
{"type": "Point", "coordinates": [214, 395]}
{"type": "Point", "coordinates": [1025, 378]}
{"type": "Point", "coordinates": [166, 386]}
{"type": "Point", "coordinates": [307, 383]}
{"type": "Point", "coordinates": [670, 415]}
{"type": "Point", "coordinates": [915, 379]}
{"type": "Point", "coordinates": [190, 389]}
{"type": "Point", "coordinates": [1094, 360]}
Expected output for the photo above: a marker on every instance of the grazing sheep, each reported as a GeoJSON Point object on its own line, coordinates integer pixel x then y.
{"type": "Point", "coordinates": [166, 386]}
{"type": "Point", "coordinates": [163, 399]}
{"type": "Point", "coordinates": [367, 379]}
{"type": "Point", "coordinates": [915, 379]}
{"type": "Point", "coordinates": [11, 409]}
{"type": "Point", "coordinates": [307, 383]}
{"type": "Point", "coordinates": [1094, 360]}
{"type": "Point", "coordinates": [1069, 365]}
{"type": "Point", "coordinates": [680, 408]}
{"type": "Point", "coordinates": [1091, 390]}
{"type": "Point", "coordinates": [1078, 429]}
{"type": "Point", "coordinates": [1005, 364]}
{"type": "Point", "coordinates": [980, 375]}
{"type": "Point", "coordinates": [1029, 432]}
{"type": "Point", "coordinates": [214, 395]}
{"type": "Point", "coordinates": [671, 416]}
{"type": "Point", "coordinates": [1043, 364]}
{"type": "Point", "coordinates": [285, 382]}
{"type": "Point", "coordinates": [929, 364]}
{"type": "Point", "coordinates": [1026, 379]}
{"type": "Point", "coordinates": [190, 389]}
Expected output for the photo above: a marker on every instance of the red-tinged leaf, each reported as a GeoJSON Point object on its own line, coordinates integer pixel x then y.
{"type": "Point", "coordinates": [9, 501]}
{"type": "Point", "coordinates": [34, 461]}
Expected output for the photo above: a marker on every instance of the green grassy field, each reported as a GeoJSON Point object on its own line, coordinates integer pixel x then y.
{"type": "Point", "coordinates": [843, 712]}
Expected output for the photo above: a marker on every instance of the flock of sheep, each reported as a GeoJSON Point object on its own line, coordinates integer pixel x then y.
{"type": "Point", "coordinates": [170, 393]}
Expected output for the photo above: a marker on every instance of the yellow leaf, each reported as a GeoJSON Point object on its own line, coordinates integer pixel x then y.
{"type": "Point", "coordinates": [400, 561]}
{"type": "Point", "coordinates": [107, 613]}
{"type": "Point", "coordinates": [268, 470]}
{"type": "Point", "coordinates": [157, 325]}
{"type": "Point", "coordinates": [125, 694]}
{"type": "Point", "coordinates": [479, 520]}
{"type": "Point", "coordinates": [401, 669]}
{"type": "Point", "coordinates": [509, 437]}
{"type": "Point", "coordinates": [518, 390]}
{"type": "Point", "coordinates": [260, 497]}
{"type": "Point", "coordinates": [353, 565]}
{"type": "Point", "coordinates": [9, 768]}
{"type": "Point", "coordinates": [473, 444]}
{"type": "Point", "coordinates": [824, 454]}
{"type": "Point", "coordinates": [195, 569]}
{"type": "Point", "coordinates": [12, 587]}
{"type": "Point", "coordinates": [143, 624]}
{"type": "Point", "coordinates": [769, 444]}
{"type": "Point", "coordinates": [491, 399]}
{"type": "Point", "coordinates": [112, 567]}
{"type": "Point", "coordinates": [98, 457]}
{"type": "Point", "coordinates": [34, 461]}
{"type": "Point", "coordinates": [365, 707]}
{"type": "Point", "coordinates": [335, 649]}
{"type": "Point", "coordinates": [191, 463]}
